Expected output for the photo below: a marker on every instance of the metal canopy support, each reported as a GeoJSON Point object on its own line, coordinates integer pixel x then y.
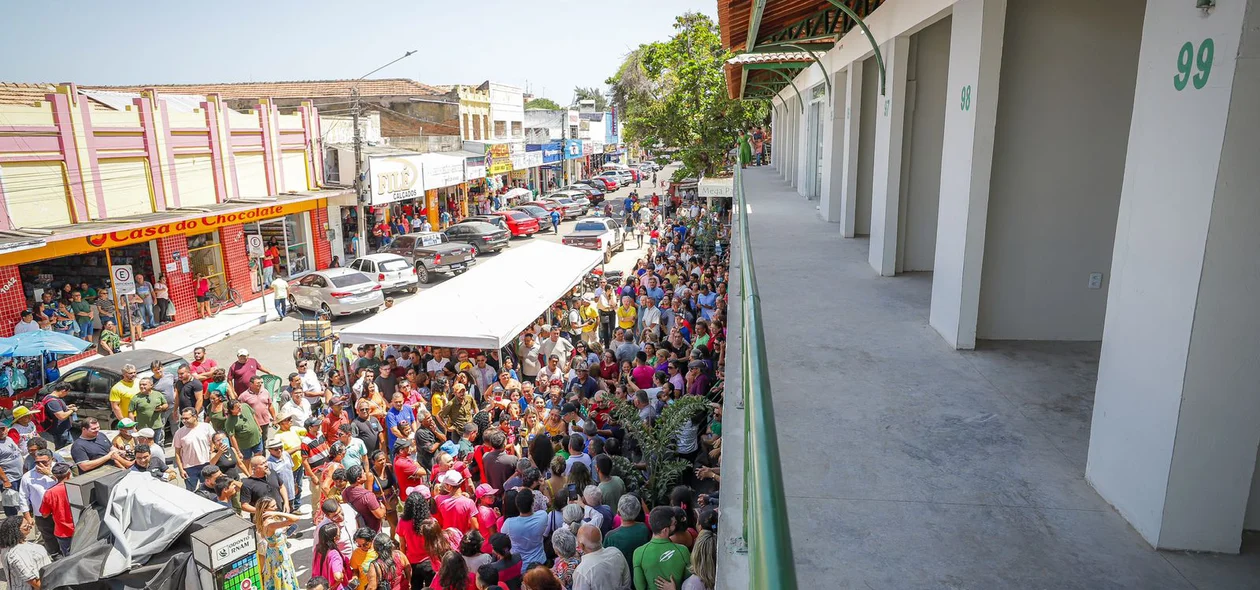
{"type": "Point", "coordinates": [817, 60]}
{"type": "Point", "coordinates": [789, 81]}
{"type": "Point", "coordinates": [879, 58]}
{"type": "Point", "coordinates": [803, 45]}
{"type": "Point", "coordinates": [754, 23]}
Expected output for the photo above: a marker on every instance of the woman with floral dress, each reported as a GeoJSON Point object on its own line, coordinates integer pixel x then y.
{"type": "Point", "coordinates": [277, 566]}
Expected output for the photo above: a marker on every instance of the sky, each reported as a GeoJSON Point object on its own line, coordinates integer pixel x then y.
{"type": "Point", "coordinates": [547, 47]}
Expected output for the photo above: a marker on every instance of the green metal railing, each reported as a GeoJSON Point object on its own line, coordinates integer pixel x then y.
{"type": "Point", "coordinates": [770, 562]}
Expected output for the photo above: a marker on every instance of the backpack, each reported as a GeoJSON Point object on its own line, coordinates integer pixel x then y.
{"type": "Point", "coordinates": [42, 418]}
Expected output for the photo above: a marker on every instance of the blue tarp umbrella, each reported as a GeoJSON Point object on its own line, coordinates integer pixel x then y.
{"type": "Point", "coordinates": [42, 341]}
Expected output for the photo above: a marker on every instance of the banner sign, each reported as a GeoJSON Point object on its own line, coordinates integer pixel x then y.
{"type": "Point", "coordinates": [197, 225]}
{"type": "Point", "coordinates": [614, 120]}
{"type": "Point", "coordinates": [394, 178]}
{"type": "Point", "coordinates": [498, 158]}
{"type": "Point", "coordinates": [441, 171]}
{"type": "Point", "coordinates": [552, 152]}
{"type": "Point", "coordinates": [572, 149]}
{"type": "Point", "coordinates": [529, 160]}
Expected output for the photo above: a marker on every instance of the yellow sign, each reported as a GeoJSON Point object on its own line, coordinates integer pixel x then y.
{"type": "Point", "coordinates": [498, 159]}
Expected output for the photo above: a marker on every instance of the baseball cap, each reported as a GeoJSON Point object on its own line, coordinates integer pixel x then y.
{"type": "Point", "coordinates": [452, 478]}
{"type": "Point", "coordinates": [242, 352]}
{"type": "Point", "coordinates": [145, 433]}
{"type": "Point", "coordinates": [568, 407]}
{"type": "Point", "coordinates": [450, 447]}
{"type": "Point", "coordinates": [126, 423]}
{"type": "Point", "coordinates": [485, 490]}
{"type": "Point", "coordinates": [423, 490]}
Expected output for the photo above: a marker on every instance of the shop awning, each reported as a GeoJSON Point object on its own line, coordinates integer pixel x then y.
{"type": "Point", "coordinates": [486, 307]}
{"type": "Point", "coordinates": [517, 193]}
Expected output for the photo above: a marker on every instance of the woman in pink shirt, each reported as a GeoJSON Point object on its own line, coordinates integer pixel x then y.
{"type": "Point", "coordinates": [328, 562]}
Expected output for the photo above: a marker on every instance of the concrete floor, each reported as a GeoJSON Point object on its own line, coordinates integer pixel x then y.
{"type": "Point", "coordinates": [911, 465]}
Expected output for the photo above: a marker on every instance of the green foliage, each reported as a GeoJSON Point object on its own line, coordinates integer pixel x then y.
{"type": "Point", "coordinates": [542, 103]}
{"type": "Point", "coordinates": [629, 474]}
{"type": "Point", "coordinates": [595, 94]}
{"type": "Point", "coordinates": [673, 94]}
{"type": "Point", "coordinates": [659, 443]}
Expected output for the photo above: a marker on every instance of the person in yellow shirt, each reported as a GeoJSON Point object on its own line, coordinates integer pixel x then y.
{"type": "Point", "coordinates": [363, 555]}
{"type": "Point", "coordinates": [590, 319]}
{"type": "Point", "coordinates": [121, 393]}
{"type": "Point", "coordinates": [627, 313]}
{"type": "Point", "coordinates": [291, 437]}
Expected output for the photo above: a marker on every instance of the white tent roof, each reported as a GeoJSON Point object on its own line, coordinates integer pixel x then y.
{"type": "Point", "coordinates": [485, 307]}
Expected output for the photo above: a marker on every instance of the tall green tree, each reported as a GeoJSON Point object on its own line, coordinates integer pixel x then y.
{"type": "Point", "coordinates": [542, 103]}
{"type": "Point", "coordinates": [672, 94]}
{"type": "Point", "coordinates": [580, 94]}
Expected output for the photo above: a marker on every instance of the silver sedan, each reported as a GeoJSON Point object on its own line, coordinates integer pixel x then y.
{"type": "Point", "coordinates": [336, 292]}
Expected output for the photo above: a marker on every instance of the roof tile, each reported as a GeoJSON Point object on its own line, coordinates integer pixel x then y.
{"type": "Point", "coordinates": [291, 89]}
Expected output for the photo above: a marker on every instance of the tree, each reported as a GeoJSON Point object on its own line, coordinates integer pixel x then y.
{"type": "Point", "coordinates": [595, 94]}
{"type": "Point", "coordinates": [542, 103]}
{"type": "Point", "coordinates": [672, 94]}
{"type": "Point", "coordinates": [659, 443]}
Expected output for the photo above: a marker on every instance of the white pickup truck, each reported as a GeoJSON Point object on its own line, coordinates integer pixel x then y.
{"type": "Point", "coordinates": [604, 234]}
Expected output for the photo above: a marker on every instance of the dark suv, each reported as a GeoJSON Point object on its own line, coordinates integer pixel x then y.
{"type": "Point", "coordinates": [90, 382]}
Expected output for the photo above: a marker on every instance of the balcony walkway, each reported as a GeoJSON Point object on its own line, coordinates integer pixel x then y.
{"type": "Point", "coordinates": [911, 465]}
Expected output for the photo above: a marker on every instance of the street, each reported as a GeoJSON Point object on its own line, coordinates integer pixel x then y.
{"type": "Point", "coordinates": [272, 343]}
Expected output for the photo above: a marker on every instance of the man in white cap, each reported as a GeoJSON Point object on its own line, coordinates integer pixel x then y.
{"type": "Point", "coordinates": [244, 369]}
{"type": "Point", "coordinates": [455, 508]}
{"type": "Point", "coordinates": [145, 436]}
{"type": "Point", "coordinates": [281, 465]}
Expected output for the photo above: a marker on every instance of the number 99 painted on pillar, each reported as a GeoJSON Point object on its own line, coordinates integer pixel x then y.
{"type": "Point", "coordinates": [1188, 59]}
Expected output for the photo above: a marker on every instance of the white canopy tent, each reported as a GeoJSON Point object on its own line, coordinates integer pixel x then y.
{"type": "Point", "coordinates": [485, 307]}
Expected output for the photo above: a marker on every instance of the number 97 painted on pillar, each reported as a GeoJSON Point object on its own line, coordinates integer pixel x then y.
{"type": "Point", "coordinates": [1187, 62]}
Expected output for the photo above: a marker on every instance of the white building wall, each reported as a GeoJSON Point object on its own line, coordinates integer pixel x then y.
{"type": "Point", "coordinates": [831, 200]}
{"type": "Point", "coordinates": [507, 105]}
{"type": "Point", "coordinates": [1174, 433]}
{"type": "Point", "coordinates": [1058, 164]}
{"type": "Point", "coordinates": [871, 105]}
{"type": "Point", "coordinates": [886, 174]}
{"type": "Point", "coordinates": [852, 115]}
{"type": "Point", "coordinates": [925, 132]}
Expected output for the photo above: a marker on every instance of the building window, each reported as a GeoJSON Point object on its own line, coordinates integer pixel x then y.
{"type": "Point", "coordinates": [517, 130]}
{"type": "Point", "coordinates": [467, 128]}
{"type": "Point", "coordinates": [476, 127]}
{"type": "Point", "coordinates": [500, 129]}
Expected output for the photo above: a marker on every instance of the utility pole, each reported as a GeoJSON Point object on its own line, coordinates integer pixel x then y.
{"type": "Point", "coordinates": [358, 174]}
{"type": "Point", "coordinates": [362, 250]}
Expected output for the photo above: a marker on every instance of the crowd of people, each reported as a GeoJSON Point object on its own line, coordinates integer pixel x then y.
{"type": "Point", "coordinates": [427, 467]}
{"type": "Point", "coordinates": [93, 313]}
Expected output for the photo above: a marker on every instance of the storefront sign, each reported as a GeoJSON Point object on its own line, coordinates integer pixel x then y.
{"type": "Point", "coordinates": [124, 280]}
{"type": "Point", "coordinates": [441, 171]}
{"type": "Point", "coordinates": [532, 160]}
{"type": "Point", "coordinates": [552, 152]}
{"type": "Point", "coordinates": [229, 549]}
{"type": "Point", "coordinates": [572, 149]}
{"type": "Point", "coordinates": [474, 171]}
{"type": "Point", "coordinates": [394, 178]}
{"type": "Point", "coordinates": [614, 120]}
{"type": "Point", "coordinates": [573, 118]}
{"type": "Point", "coordinates": [194, 225]}
{"type": "Point", "coordinates": [498, 158]}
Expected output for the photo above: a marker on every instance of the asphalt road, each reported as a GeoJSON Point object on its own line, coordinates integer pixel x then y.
{"type": "Point", "coordinates": [272, 344]}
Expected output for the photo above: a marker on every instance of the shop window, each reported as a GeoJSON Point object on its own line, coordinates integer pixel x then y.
{"type": "Point", "coordinates": [286, 247]}
{"type": "Point", "coordinates": [205, 257]}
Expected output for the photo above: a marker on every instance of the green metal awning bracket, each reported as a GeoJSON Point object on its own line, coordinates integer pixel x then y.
{"type": "Point", "coordinates": [817, 60]}
{"type": "Point", "coordinates": [773, 93]}
{"type": "Point", "coordinates": [803, 45]}
{"type": "Point", "coordinates": [879, 58]}
{"type": "Point", "coordinates": [789, 81]}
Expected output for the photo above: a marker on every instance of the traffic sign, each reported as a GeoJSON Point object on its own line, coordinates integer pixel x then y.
{"type": "Point", "coordinates": [254, 245]}
{"type": "Point", "coordinates": [124, 280]}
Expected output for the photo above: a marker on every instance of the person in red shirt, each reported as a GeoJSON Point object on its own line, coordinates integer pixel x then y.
{"type": "Point", "coordinates": [407, 472]}
{"type": "Point", "coordinates": [202, 368]}
{"type": "Point", "coordinates": [57, 505]}
{"type": "Point", "coordinates": [455, 509]}
{"type": "Point", "coordinates": [486, 518]}
{"type": "Point", "coordinates": [335, 418]}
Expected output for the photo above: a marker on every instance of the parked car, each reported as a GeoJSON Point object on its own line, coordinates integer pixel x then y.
{"type": "Point", "coordinates": [482, 236]}
{"type": "Point", "coordinates": [633, 172]}
{"type": "Point", "coordinates": [608, 183]}
{"type": "Point", "coordinates": [603, 234]}
{"type": "Point", "coordinates": [391, 271]}
{"type": "Point", "coordinates": [337, 292]}
{"type": "Point", "coordinates": [551, 206]}
{"type": "Point", "coordinates": [432, 252]}
{"type": "Point", "coordinates": [571, 210]}
{"type": "Point", "coordinates": [594, 194]}
{"type": "Point", "coordinates": [90, 382]}
{"type": "Point", "coordinates": [519, 223]}
{"type": "Point", "coordinates": [494, 220]}
{"type": "Point", "coordinates": [540, 214]}
{"type": "Point", "coordinates": [617, 176]}
{"type": "Point", "coordinates": [576, 196]}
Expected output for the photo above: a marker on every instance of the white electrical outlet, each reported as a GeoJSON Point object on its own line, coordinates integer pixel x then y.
{"type": "Point", "coordinates": [1095, 280]}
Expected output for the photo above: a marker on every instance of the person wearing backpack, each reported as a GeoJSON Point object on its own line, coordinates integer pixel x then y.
{"type": "Point", "coordinates": [55, 417]}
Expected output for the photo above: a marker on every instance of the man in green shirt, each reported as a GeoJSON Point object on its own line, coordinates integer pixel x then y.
{"type": "Point", "coordinates": [82, 315]}
{"type": "Point", "coordinates": [660, 557]}
{"type": "Point", "coordinates": [149, 406]}
{"type": "Point", "coordinates": [632, 533]}
{"type": "Point", "coordinates": [242, 429]}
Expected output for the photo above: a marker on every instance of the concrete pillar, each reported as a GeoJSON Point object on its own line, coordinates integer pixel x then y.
{"type": "Point", "coordinates": [802, 149]}
{"type": "Point", "coordinates": [975, 63]}
{"type": "Point", "coordinates": [886, 180]}
{"type": "Point", "coordinates": [849, 166]}
{"type": "Point", "coordinates": [1174, 436]}
{"type": "Point", "coordinates": [831, 201]}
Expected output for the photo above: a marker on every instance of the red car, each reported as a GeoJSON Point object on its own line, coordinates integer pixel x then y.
{"type": "Point", "coordinates": [519, 222]}
{"type": "Point", "coordinates": [549, 206]}
{"type": "Point", "coordinates": [608, 185]}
